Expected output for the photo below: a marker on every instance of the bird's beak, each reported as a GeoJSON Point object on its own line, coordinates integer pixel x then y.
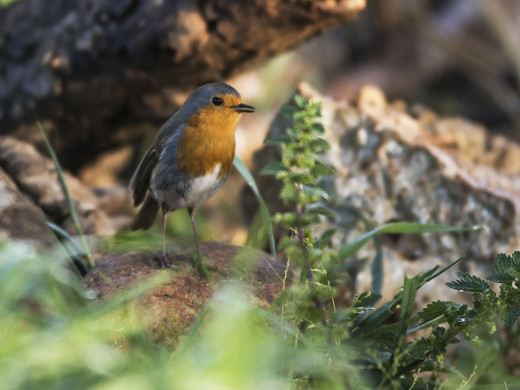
{"type": "Point", "coordinates": [243, 108]}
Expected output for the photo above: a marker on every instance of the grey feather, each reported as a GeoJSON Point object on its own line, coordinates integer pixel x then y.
{"type": "Point", "coordinates": [146, 215]}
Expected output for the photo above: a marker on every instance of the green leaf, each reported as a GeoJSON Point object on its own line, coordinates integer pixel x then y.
{"type": "Point", "coordinates": [431, 275]}
{"type": "Point", "coordinates": [319, 144]}
{"type": "Point", "coordinates": [303, 178]}
{"type": "Point", "coordinates": [377, 270]}
{"type": "Point", "coordinates": [468, 282]}
{"type": "Point", "coordinates": [322, 170]}
{"type": "Point", "coordinates": [300, 101]}
{"type": "Point", "coordinates": [516, 260]}
{"type": "Point", "coordinates": [433, 310]}
{"type": "Point", "coordinates": [421, 228]}
{"type": "Point", "coordinates": [398, 227]}
{"type": "Point", "coordinates": [407, 304]}
{"type": "Point", "coordinates": [374, 319]}
{"type": "Point", "coordinates": [505, 264]}
{"type": "Point", "coordinates": [510, 314]}
{"type": "Point", "coordinates": [367, 299]}
{"type": "Point", "coordinates": [276, 140]}
{"type": "Point", "coordinates": [288, 111]}
{"type": "Point", "coordinates": [501, 278]}
{"type": "Point", "coordinates": [273, 168]}
{"type": "Point", "coordinates": [289, 193]}
{"type": "Point", "coordinates": [317, 191]}
{"type": "Point", "coordinates": [507, 268]}
{"type": "Point", "coordinates": [242, 169]}
{"type": "Point", "coordinates": [325, 238]}
{"type": "Point", "coordinates": [299, 116]}
{"type": "Point", "coordinates": [316, 157]}
{"type": "Point", "coordinates": [318, 128]}
{"type": "Point", "coordinates": [324, 211]}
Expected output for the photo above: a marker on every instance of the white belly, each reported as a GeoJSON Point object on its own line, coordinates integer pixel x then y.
{"type": "Point", "coordinates": [202, 188]}
{"type": "Point", "coordinates": [177, 193]}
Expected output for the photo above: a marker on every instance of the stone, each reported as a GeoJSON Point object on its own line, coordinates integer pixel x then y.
{"type": "Point", "coordinates": [399, 163]}
{"type": "Point", "coordinates": [173, 301]}
{"type": "Point", "coordinates": [36, 176]}
{"type": "Point", "coordinates": [20, 218]}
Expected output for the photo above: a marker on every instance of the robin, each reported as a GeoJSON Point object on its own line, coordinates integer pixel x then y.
{"type": "Point", "coordinates": [190, 158]}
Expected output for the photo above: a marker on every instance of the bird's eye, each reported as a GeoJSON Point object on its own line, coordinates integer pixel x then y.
{"type": "Point", "coordinates": [216, 101]}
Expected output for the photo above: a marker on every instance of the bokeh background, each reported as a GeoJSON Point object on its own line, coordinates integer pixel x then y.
{"type": "Point", "coordinates": [460, 58]}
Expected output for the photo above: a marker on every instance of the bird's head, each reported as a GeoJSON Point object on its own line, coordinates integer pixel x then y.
{"type": "Point", "coordinates": [217, 105]}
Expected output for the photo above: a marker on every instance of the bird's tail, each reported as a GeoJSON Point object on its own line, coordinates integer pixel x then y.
{"type": "Point", "coordinates": [146, 215]}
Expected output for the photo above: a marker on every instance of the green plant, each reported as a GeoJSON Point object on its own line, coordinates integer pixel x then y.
{"type": "Point", "coordinates": [264, 212]}
{"type": "Point", "coordinates": [300, 170]}
{"type": "Point", "coordinates": [70, 204]}
{"type": "Point", "coordinates": [398, 357]}
{"type": "Point", "coordinates": [381, 348]}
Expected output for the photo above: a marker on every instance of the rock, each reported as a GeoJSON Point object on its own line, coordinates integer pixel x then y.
{"type": "Point", "coordinates": [396, 163]}
{"type": "Point", "coordinates": [20, 218]}
{"type": "Point", "coordinates": [36, 176]}
{"type": "Point", "coordinates": [171, 306]}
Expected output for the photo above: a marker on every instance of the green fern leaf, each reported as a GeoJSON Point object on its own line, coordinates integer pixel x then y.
{"type": "Point", "coordinates": [468, 282]}
{"type": "Point", "coordinates": [433, 310]}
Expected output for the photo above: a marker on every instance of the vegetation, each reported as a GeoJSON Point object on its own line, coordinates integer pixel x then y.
{"type": "Point", "coordinates": [56, 335]}
{"type": "Point", "coordinates": [380, 342]}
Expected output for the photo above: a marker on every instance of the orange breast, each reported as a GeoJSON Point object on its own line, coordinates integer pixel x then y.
{"type": "Point", "coordinates": [208, 140]}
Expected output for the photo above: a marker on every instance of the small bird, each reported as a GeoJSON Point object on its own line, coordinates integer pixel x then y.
{"type": "Point", "coordinates": [190, 158]}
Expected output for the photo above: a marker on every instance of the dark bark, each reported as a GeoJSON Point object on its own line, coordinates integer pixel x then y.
{"type": "Point", "coordinates": [95, 71]}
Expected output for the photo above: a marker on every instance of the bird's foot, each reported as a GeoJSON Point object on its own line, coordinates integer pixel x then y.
{"type": "Point", "coordinates": [158, 262]}
{"type": "Point", "coordinates": [198, 261]}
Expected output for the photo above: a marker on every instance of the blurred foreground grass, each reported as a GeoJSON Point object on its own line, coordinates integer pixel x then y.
{"type": "Point", "coordinates": [56, 336]}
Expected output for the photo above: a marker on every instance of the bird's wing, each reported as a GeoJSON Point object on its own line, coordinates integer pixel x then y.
{"type": "Point", "coordinates": [141, 180]}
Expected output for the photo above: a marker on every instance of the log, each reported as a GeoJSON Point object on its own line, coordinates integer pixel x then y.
{"type": "Point", "coordinates": [95, 71]}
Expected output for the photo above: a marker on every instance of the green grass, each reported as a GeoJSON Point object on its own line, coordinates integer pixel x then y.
{"type": "Point", "coordinates": [266, 227]}
{"type": "Point", "coordinates": [4, 3]}
{"type": "Point", "coordinates": [68, 199]}
{"type": "Point", "coordinates": [55, 336]}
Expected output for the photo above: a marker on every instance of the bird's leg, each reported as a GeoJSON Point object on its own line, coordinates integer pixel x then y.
{"type": "Point", "coordinates": [191, 210]}
{"type": "Point", "coordinates": [199, 265]}
{"type": "Point", "coordinates": [164, 216]}
{"type": "Point", "coordinates": [162, 259]}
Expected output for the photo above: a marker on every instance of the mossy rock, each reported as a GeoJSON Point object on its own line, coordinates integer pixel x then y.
{"type": "Point", "coordinates": [170, 305]}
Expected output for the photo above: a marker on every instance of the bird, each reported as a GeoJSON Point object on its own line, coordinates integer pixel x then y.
{"type": "Point", "coordinates": [190, 158]}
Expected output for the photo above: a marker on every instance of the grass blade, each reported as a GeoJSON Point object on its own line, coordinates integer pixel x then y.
{"type": "Point", "coordinates": [400, 228]}
{"type": "Point", "coordinates": [377, 268]}
{"type": "Point", "coordinates": [71, 249]}
{"type": "Point", "coordinates": [264, 211]}
{"type": "Point", "coordinates": [407, 304]}
{"type": "Point", "coordinates": [68, 199]}
{"type": "Point", "coordinates": [433, 276]}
